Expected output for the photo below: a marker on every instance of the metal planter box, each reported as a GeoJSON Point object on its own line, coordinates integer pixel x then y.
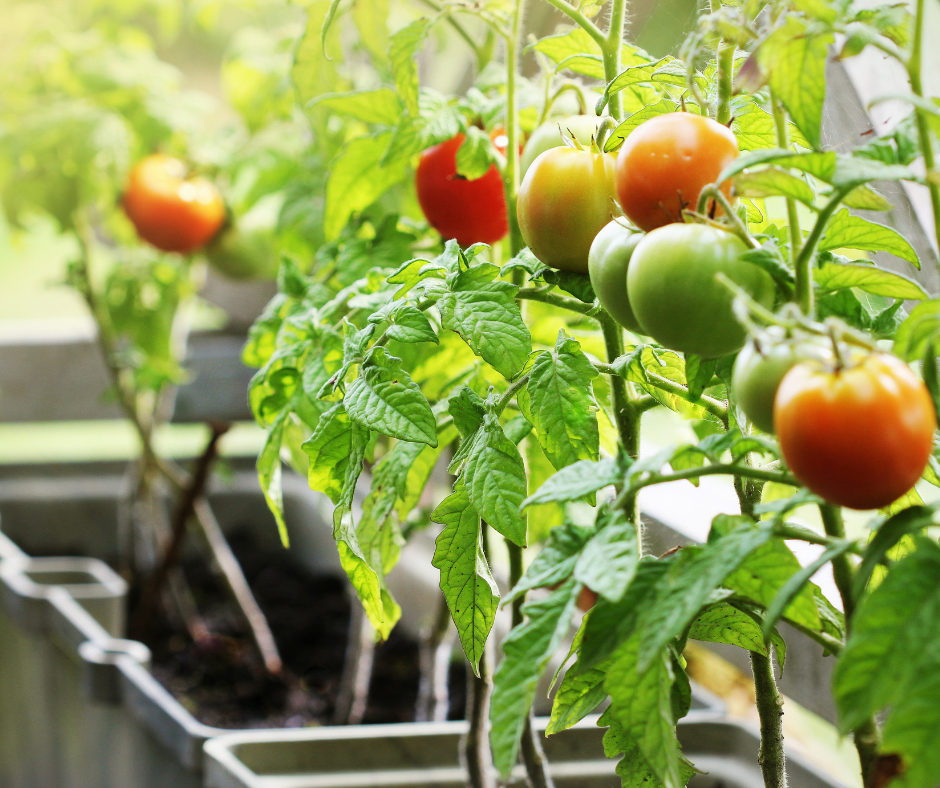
{"type": "Point", "coordinates": [425, 755]}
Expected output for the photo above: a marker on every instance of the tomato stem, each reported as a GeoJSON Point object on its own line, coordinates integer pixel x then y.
{"type": "Point", "coordinates": [725, 82]}
{"type": "Point", "coordinates": [914, 65]}
{"type": "Point", "coordinates": [802, 266]}
{"type": "Point", "coordinates": [793, 216]}
{"type": "Point", "coordinates": [867, 735]}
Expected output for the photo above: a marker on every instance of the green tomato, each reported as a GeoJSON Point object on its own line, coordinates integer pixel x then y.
{"type": "Point", "coordinates": [244, 254]}
{"type": "Point", "coordinates": [761, 365]}
{"type": "Point", "coordinates": [608, 263]}
{"type": "Point", "coordinates": [547, 136]}
{"type": "Point", "coordinates": [676, 297]}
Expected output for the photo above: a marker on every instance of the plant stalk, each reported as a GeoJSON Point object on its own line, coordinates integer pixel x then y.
{"type": "Point", "coordinates": [611, 52]}
{"type": "Point", "coordinates": [867, 735]}
{"type": "Point", "coordinates": [803, 263]}
{"type": "Point", "coordinates": [914, 66]}
{"type": "Point", "coordinates": [475, 753]}
{"type": "Point", "coordinates": [804, 287]}
{"type": "Point", "coordinates": [726, 52]}
{"type": "Point", "coordinates": [771, 756]}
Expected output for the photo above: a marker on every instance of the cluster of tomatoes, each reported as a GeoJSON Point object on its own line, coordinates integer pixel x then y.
{"type": "Point", "coordinates": [856, 428]}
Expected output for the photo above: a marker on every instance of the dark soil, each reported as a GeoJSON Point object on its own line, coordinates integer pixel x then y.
{"type": "Point", "coordinates": [223, 682]}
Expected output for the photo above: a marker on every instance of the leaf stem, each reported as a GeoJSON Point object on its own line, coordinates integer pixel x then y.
{"type": "Point", "coordinates": [712, 405]}
{"type": "Point", "coordinates": [581, 20]}
{"type": "Point", "coordinates": [771, 756]}
{"type": "Point", "coordinates": [914, 65]}
{"type": "Point", "coordinates": [509, 393]}
{"type": "Point", "coordinates": [712, 192]}
{"type": "Point", "coordinates": [563, 302]}
{"type": "Point", "coordinates": [725, 58]}
{"type": "Point", "coordinates": [803, 262]}
{"type": "Point", "coordinates": [867, 735]}
{"type": "Point", "coordinates": [727, 469]}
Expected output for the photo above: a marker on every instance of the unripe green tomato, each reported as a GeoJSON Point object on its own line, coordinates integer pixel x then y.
{"type": "Point", "coordinates": [676, 296]}
{"type": "Point", "coordinates": [548, 135]}
{"type": "Point", "coordinates": [607, 265]}
{"type": "Point", "coordinates": [761, 365]}
{"type": "Point", "coordinates": [244, 254]}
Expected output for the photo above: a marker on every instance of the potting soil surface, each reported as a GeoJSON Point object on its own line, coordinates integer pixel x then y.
{"type": "Point", "coordinates": [222, 681]}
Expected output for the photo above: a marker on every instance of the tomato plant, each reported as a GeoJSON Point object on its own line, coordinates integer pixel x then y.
{"type": "Point", "coordinates": [676, 297]}
{"type": "Point", "coordinates": [170, 211]}
{"type": "Point", "coordinates": [389, 360]}
{"type": "Point", "coordinates": [665, 163]}
{"type": "Point", "coordinates": [470, 211]}
{"type": "Point", "coordinates": [859, 435]}
{"type": "Point", "coordinates": [564, 202]}
{"type": "Point", "coordinates": [608, 262]}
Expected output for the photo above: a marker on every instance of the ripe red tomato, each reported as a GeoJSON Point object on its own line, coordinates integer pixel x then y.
{"type": "Point", "coordinates": [859, 436]}
{"type": "Point", "coordinates": [666, 161]}
{"type": "Point", "coordinates": [469, 211]}
{"type": "Point", "coordinates": [564, 202]}
{"type": "Point", "coordinates": [168, 210]}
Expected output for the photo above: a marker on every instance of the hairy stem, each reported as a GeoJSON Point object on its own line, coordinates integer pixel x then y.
{"type": "Point", "coordinates": [611, 51]}
{"type": "Point", "coordinates": [555, 299]}
{"type": "Point", "coordinates": [581, 20]}
{"type": "Point", "coordinates": [511, 175]}
{"type": "Point", "coordinates": [914, 66]}
{"type": "Point", "coordinates": [771, 757]}
{"type": "Point", "coordinates": [866, 736]}
{"type": "Point", "coordinates": [435, 647]}
{"type": "Point", "coordinates": [725, 82]}
{"type": "Point", "coordinates": [353, 696]}
{"type": "Point", "coordinates": [803, 262]}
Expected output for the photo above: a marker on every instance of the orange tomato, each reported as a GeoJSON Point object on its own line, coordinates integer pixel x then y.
{"type": "Point", "coordinates": [859, 436]}
{"type": "Point", "coordinates": [665, 163]}
{"type": "Point", "coordinates": [168, 210]}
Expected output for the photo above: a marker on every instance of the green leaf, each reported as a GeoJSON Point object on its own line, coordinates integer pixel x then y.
{"type": "Point", "coordinates": [754, 127]}
{"type": "Point", "coordinates": [864, 198]}
{"type": "Point", "coordinates": [557, 560]}
{"type": "Point", "coordinates": [357, 179]}
{"type": "Point", "coordinates": [476, 154]}
{"type": "Point", "coordinates": [641, 702]}
{"type": "Point", "coordinates": [402, 50]}
{"type": "Point", "coordinates": [794, 59]}
{"type": "Point", "coordinates": [269, 472]}
{"type": "Point", "coordinates": [724, 623]}
{"type": "Point", "coordinates": [386, 399]}
{"type": "Point", "coordinates": [773, 182]}
{"type": "Point", "coordinates": [691, 579]}
{"type": "Point", "coordinates": [562, 403]}
{"type": "Point", "coordinates": [611, 623]}
{"type": "Point", "coordinates": [893, 638]}
{"type": "Point", "coordinates": [766, 571]}
{"type": "Point", "coordinates": [619, 134]}
{"type": "Point", "coordinates": [485, 314]}
{"type": "Point", "coordinates": [381, 106]}
{"type": "Point", "coordinates": [911, 732]}
{"type": "Point", "coordinates": [633, 769]}
{"type": "Point", "coordinates": [918, 330]}
{"type": "Point", "coordinates": [889, 533]}
{"type": "Point", "coordinates": [526, 651]}
{"type": "Point", "coordinates": [495, 480]}
{"type": "Point", "coordinates": [768, 257]}
{"type": "Point", "coordinates": [608, 562]}
{"type": "Point", "coordinates": [580, 53]}
{"type": "Point", "coordinates": [577, 481]}
{"type": "Point", "coordinates": [371, 17]}
{"type": "Point", "coordinates": [699, 372]}
{"type": "Point", "coordinates": [869, 278]}
{"type": "Point", "coordinates": [466, 580]}
{"type": "Point", "coordinates": [846, 231]}
{"type": "Point", "coordinates": [362, 576]}
{"type": "Point", "coordinates": [577, 696]}
{"type": "Point", "coordinates": [335, 452]}
{"type": "Point", "coordinates": [409, 324]}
